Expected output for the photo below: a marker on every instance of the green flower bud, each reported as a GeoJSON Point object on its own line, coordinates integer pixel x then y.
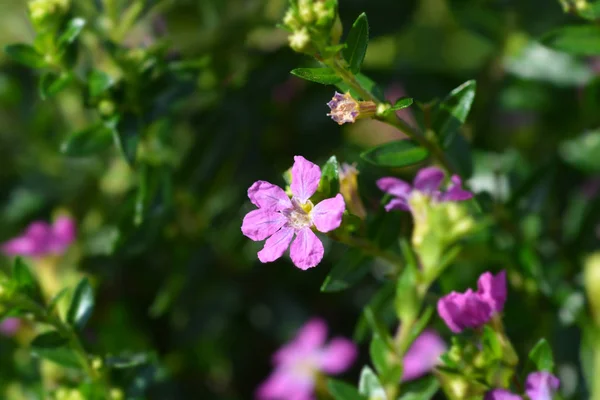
{"type": "Point", "coordinates": [116, 394]}
{"type": "Point", "coordinates": [47, 14]}
{"type": "Point", "coordinates": [290, 20]}
{"type": "Point", "coordinates": [305, 10]}
{"type": "Point", "coordinates": [300, 40]}
{"type": "Point", "coordinates": [592, 284]}
{"type": "Point", "coordinates": [106, 108]}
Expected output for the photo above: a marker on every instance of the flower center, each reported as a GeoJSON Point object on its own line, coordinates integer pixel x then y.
{"type": "Point", "coordinates": [299, 216]}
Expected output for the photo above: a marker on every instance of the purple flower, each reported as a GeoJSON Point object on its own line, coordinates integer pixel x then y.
{"type": "Point", "coordinates": [428, 182]}
{"type": "Point", "coordinates": [278, 218]}
{"type": "Point", "coordinates": [501, 394]}
{"type": "Point", "coordinates": [474, 309]}
{"type": "Point", "coordinates": [423, 355]}
{"type": "Point", "coordinates": [298, 362]}
{"type": "Point", "coordinates": [541, 385]}
{"type": "Point", "coordinates": [10, 326]}
{"type": "Point", "coordinates": [41, 239]}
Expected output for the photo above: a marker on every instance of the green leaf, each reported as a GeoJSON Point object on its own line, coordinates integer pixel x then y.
{"type": "Point", "coordinates": [82, 304]}
{"type": "Point", "coordinates": [71, 32]}
{"type": "Point", "coordinates": [127, 360]}
{"type": "Point", "coordinates": [56, 299]}
{"type": "Point", "coordinates": [26, 55]}
{"type": "Point", "coordinates": [491, 344]}
{"type": "Point", "coordinates": [400, 153]}
{"type": "Point", "coordinates": [582, 152]}
{"type": "Point", "coordinates": [379, 329]}
{"type": "Point", "coordinates": [88, 141]}
{"type": "Point", "coordinates": [369, 384]}
{"type": "Point", "coordinates": [422, 389]}
{"type": "Point", "coordinates": [51, 83]}
{"type": "Point", "coordinates": [582, 40]}
{"type": "Point", "coordinates": [406, 302]}
{"type": "Point", "coordinates": [343, 391]}
{"type": "Point", "coordinates": [53, 347]}
{"type": "Point", "coordinates": [325, 76]}
{"type": "Point", "coordinates": [25, 280]}
{"type": "Point", "coordinates": [351, 268]}
{"type": "Point", "coordinates": [329, 185]}
{"type": "Point", "coordinates": [366, 83]}
{"type": "Point", "coordinates": [99, 82]}
{"type": "Point", "coordinates": [386, 362]}
{"type": "Point", "coordinates": [421, 323]}
{"type": "Point", "coordinates": [591, 11]}
{"type": "Point", "coordinates": [357, 43]}
{"type": "Point", "coordinates": [453, 110]}
{"type": "Point", "coordinates": [541, 355]}
{"type": "Point", "coordinates": [460, 155]}
{"type": "Point", "coordinates": [401, 103]}
{"type": "Point", "coordinates": [127, 137]}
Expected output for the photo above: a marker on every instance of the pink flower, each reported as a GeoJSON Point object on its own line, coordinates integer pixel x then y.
{"type": "Point", "coordinates": [278, 218]}
{"type": "Point", "coordinates": [10, 326]}
{"type": "Point", "coordinates": [541, 385]}
{"type": "Point", "coordinates": [501, 394]}
{"type": "Point", "coordinates": [299, 362]}
{"type": "Point", "coordinates": [41, 239]}
{"type": "Point", "coordinates": [423, 355]}
{"type": "Point", "coordinates": [428, 181]}
{"type": "Point", "coordinates": [474, 309]}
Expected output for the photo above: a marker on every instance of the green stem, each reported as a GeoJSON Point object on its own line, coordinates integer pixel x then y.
{"type": "Point", "coordinates": [596, 369]}
{"type": "Point", "coordinates": [391, 119]}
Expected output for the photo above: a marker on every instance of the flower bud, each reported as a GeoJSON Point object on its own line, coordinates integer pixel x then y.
{"type": "Point", "coordinates": [349, 189]}
{"type": "Point", "coordinates": [291, 20]}
{"type": "Point", "coordinates": [116, 394]}
{"type": "Point", "coordinates": [47, 14]}
{"type": "Point", "coordinates": [592, 284]}
{"type": "Point", "coordinates": [345, 109]}
{"type": "Point", "coordinates": [306, 11]}
{"type": "Point", "coordinates": [300, 40]}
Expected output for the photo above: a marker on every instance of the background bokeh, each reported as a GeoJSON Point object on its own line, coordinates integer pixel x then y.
{"type": "Point", "coordinates": [185, 283]}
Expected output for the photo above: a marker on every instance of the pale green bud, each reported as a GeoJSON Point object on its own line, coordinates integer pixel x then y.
{"type": "Point", "coordinates": [300, 40]}
{"type": "Point", "coordinates": [116, 394]}
{"type": "Point", "coordinates": [305, 10]}
{"type": "Point", "coordinates": [46, 14]}
{"type": "Point", "coordinates": [290, 20]}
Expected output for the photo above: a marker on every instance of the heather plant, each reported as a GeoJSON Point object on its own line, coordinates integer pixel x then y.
{"type": "Point", "coordinates": [240, 199]}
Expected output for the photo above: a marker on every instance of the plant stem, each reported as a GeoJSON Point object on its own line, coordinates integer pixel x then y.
{"type": "Point", "coordinates": [596, 369]}
{"type": "Point", "coordinates": [391, 119]}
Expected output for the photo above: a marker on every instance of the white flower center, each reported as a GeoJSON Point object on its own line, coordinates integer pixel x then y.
{"type": "Point", "coordinates": [299, 216]}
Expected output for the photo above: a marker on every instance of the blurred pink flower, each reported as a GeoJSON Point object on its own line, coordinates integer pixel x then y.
{"type": "Point", "coordinates": [10, 326]}
{"type": "Point", "coordinates": [279, 218]}
{"type": "Point", "coordinates": [299, 362]}
{"type": "Point", "coordinates": [423, 355]}
{"type": "Point", "coordinates": [41, 239]}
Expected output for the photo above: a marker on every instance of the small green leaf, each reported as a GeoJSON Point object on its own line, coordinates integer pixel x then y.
{"type": "Point", "coordinates": [71, 32]}
{"type": "Point", "coordinates": [541, 355]}
{"type": "Point", "coordinates": [422, 389]}
{"type": "Point", "coordinates": [421, 323]}
{"type": "Point", "coordinates": [402, 103]}
{"type": "Point", "coordinates": [56, 299]}
{"type": "Point", "coordinates": [582, 152]}
{"type": "Point", "coordinates": [369, 384]}
{"type": "Point", "coordinates": [25, 280]}
{"type": "Point", "coordinates": [386, 362]}
{"type": "Point", "coordinates": [51, 83]}
{"type": "Point", "coordinates": [591, 11]}
{"type": "Point", "coordinates": [357, 43]}
{"type": "Point", "coordinates": [82, 304]}
{"type": "Point", "coordinates": [379, 329]}
{"type": "Point", "coordinates": [343, 391]}
{"type": "Point", "coordinates": [491, 344]}
{"type": "Point", "coordinates": [51, 346]}
{"type": "Point", "coordinates": [127, 360]}
{"type": "Point", "coordinates": [127, 137]}
{"type": "Point", "coordinates": [329, 185]}
{"type": "Point", "coordinates": [325, 76]}
{"type": "Point", "coordinates": [400, 153]}
{"type": "Point", "coordinates": [582, 40]}
{"type": "Point", "coordinates": [406, 303]}
{"type": "Point", "coordinates": [452, 112]}
{"type": "Point", "coordinates": [351, 268]}
{"type": "Point", "coordinates": [99, 82]}
{"type": "Point", "coordinates": [88, 141]}
{"type": "Point", "coordinates": [26, 55]}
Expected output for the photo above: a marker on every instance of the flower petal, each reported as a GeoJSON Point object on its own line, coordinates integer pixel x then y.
{"type": "Point", "coordinates": [394, 186]}
{"type": "Point", "coordinates": [501, 394]}
{"type": "Point", "coordinates": [261, 223]}
{"type": "Point", "coordinates": [327, 215]}
{"type": "Point", "coordinates": [428, 180]}
{"type": "Point", "coordinates": [10, 326]}
{"type": "Point", "coordinates": [309, 339]}
{"type": "Point", "coordinates": [338, 356]}
{"type": "Point", "coordinates": [456, 192]}
{"type": "Point", "coordinates": [276, 245]}
{"type": "Point", "coordinates": [464, 310]}
{"type": "Point", "coordinates": [63, 234]}
{"type": "Point", "coordinates": [306, 250]}
{"type": "Point", "coordinates": [493, 289]}
{"type": "Point", "coordinates": [285, 384]}
{"type": "Point", "coordinates": [266, 195]}
{"type": "Point", "coordinates": [397, 204]}
{"type": "Point", "coordinates": [423, 355]}
{"type": "Point", "coordinates": [305, 178]}
{"type": "Point", "coordinates": [541, 385]}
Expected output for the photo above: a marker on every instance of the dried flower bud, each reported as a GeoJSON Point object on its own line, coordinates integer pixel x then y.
{"type": "Point", "coordinates": [349, 189]}
{"type": "Point", "coordinates": [345, 109]}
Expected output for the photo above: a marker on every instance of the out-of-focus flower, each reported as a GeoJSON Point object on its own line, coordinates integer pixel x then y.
{"type": "Point", "coordinates": [278, 218]}
{"type": "Point", "coordinates": [428, 182]}
{"type": "Point", "coordinates": [42, 239]}
{"type": "Point", "coordinates": [349, 189]}
{"type": "Point", "coordinates": [298, 363]}
{"type": "Point", "coordinates": [501, 394]}
{"type": "Point", "coordinates": [9, 326]}
{"type": "Point", "coordinates": [474, 309]}
{"type": "Point", "coordinates": [423, 355]}
{"type": "Point", "coordinates": [345, 109]}
{"type": "Point", "coordinates": [541, 385]}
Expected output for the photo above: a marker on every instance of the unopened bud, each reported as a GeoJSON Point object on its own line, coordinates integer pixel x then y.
{"type": "Point", "coordinates": [106, 108]}
{"type": "Point", "coordinates": [97, 363]}
{"type": "Point", "coordinates": [349, 189]}
{"type": "Point", "coordinates": [290, 20]}
{"type": "Point", "coordinates": [299, 40]}
{"type": "Point", "coordinates": [47, 14]}
{"type": "Point", "coordinates": [116, 394]}
{"type": "Point", "coordinates": [305, 10]}
{"type": "Point", "coordinates": [325, 12]}
{"type": "Point", "coordinates": [345, 109]}
{"type": "Point", "coordinates": [592, 284]}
